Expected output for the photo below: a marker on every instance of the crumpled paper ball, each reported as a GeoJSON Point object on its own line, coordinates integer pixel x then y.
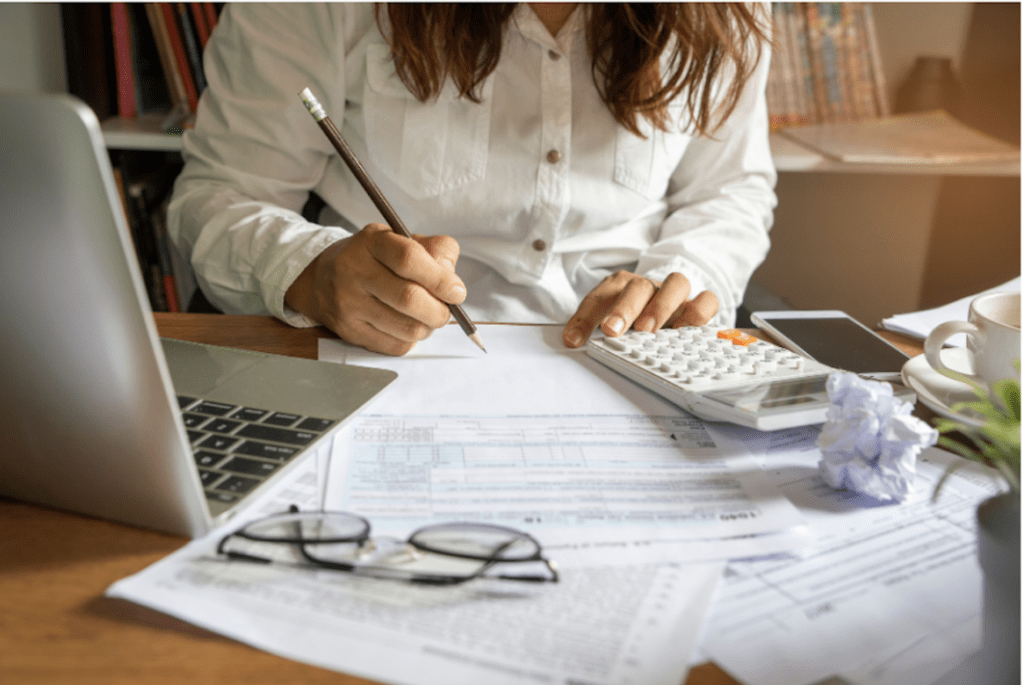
{"type": "Point", "coordinates": [870, 442]}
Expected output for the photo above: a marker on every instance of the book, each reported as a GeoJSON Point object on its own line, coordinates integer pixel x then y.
{"type": "Point", "coordinates": [200, 21]}
{"type": "Point", "coordinates": [934, 137]}
{"type": "Point", "coordinates": [192, 49]}
{"type": "Point", "coordinates": [875, 53]}
{"type": "Point", "coordinates": [122, 41]}
{"type": "Point", "coordinates": [161, 35]}
{"type": "Point", "coordinates": [152, 92]}
{"type": "Point", "coordinates": [180, 56]}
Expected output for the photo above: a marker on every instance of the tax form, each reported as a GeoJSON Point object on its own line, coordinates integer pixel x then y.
{"type": "Point", "coordinates": [600, 625]}
{"type": "Point", "coordinates": [539, 437]}
{"type": "Point", "coordinates": [885, 595]}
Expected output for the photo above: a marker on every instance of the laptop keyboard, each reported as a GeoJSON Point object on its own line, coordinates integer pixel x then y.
{"type": "Point", "coordinates": [236, 448]}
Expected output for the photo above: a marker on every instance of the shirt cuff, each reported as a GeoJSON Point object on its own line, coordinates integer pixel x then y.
{"type": "Point", "coordinates": [290, 269]}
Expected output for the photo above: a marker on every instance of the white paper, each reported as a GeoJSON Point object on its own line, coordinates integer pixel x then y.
{"type": "Point", "coordinates": [619, 625]}
{"type": "Point", "coordinates": [920, 324]}
{"type": "Point", "coordinates": [527, 370]}
{"type": "Point", "coordinates": [885, 592]}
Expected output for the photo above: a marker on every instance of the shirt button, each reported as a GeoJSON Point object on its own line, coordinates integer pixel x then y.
{"type": "Point", "coordinates": [554, 156]}
{"type": "Point", "coordinates": [554, 55]}
{"type": "Point", "coordinates": [539, 245]}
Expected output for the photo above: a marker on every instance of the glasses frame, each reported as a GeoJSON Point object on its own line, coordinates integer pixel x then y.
{"type": "Point", "coordinates": [364, 537]}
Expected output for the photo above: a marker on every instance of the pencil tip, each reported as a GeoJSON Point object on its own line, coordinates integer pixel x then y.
{"type": "Point", "coordinates": [479, 343]}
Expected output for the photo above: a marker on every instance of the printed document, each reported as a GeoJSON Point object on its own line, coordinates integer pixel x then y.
{"type": "Point", "coordinates": [617, 625]}
{"type": "Point", "coordinates": [888, 594]}
{"type": "Point", "coordinates": [540, 437]}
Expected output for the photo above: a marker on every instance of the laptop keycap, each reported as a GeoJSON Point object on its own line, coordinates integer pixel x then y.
{"type": "Point", "coordinates": [279, 418]}
{"type": "Point", "coordinates": [265, 450]}
{"type": "Point", "coordinates": [253, 467]}
{"type": "Point", "coordinates": [194, 420]}
{"type": "Point", "coordinates": [249, 414]}
{"type": "Point", "coordinates": [218, 442]}
{"type": "Point", "coordinates": [238, 484]}
{"type": "Point", "coordinates": [263, 432]}
{"type": "Point", "coordinates": [313, 424]}
{"type": "Point", "coordinates": [222, 425]}
{"type": "Point", "coordinates": [185, 400]}
{"type": "Point", "coordinates": [204, 458]}
{"type": "Point", "coordinates": [213, 408]}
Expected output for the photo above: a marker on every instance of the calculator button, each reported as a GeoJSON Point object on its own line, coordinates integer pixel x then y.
{"type": "Point", "coordinates": [616, 344]}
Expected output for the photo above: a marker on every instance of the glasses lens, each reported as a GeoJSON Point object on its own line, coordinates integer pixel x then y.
{"type": "Point", "coordinates": [309, 527]}
{"type": "Point", "coordinates": [477, 541]}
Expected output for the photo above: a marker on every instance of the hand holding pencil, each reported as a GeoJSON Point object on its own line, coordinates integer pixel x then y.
{"type": "Point", "coordinates": [383, 288]}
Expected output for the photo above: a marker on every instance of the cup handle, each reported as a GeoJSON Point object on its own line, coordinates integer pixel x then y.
{"type": "Point", "coordinates": [933, 345]}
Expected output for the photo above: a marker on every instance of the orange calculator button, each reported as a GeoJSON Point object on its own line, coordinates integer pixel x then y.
{"type": "Point", "coordinates": [744, 339]}
{"type": "Point", "coordinates": [729, 334]}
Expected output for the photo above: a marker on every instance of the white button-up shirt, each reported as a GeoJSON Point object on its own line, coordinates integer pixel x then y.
{"type": "Point", "coordinates": [545, 192]}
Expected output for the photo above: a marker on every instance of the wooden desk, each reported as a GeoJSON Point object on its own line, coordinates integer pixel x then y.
{"type": "Point", "coordinates": [57, 627]}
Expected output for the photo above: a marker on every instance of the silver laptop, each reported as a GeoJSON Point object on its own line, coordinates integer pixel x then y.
{"type": "Point", "coordinates": [99, 415]}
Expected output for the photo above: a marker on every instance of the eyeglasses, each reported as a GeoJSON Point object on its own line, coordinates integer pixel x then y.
{"type": "Point", "coordinates": [442, 554]}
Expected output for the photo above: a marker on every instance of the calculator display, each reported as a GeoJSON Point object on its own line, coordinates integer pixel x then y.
{"type": "Point", "coordinates": [778, 394]}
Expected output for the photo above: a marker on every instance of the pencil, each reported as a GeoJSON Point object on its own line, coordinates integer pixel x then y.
{"type": "Point", "coordinates": [385, 208]}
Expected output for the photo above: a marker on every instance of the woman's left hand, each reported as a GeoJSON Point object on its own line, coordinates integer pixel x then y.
{"type": "Point", "coordinates": [625, 299]}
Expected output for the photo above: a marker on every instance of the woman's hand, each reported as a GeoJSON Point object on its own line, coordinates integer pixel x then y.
{"type": "Point", "coordinates": [380, 290]}
{"type": "Point", "coordinates": [625, 299]}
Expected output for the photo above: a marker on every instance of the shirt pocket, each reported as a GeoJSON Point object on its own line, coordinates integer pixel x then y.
{"type": "Point", "coordinates": [426, 148]}
{"type": "Point", "coordinates": [645, 164]}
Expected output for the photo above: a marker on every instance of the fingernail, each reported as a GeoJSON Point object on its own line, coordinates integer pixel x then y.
{"type": "Point", "coordinates": [573, 337]}
{"type": "Point", "coordinates": [446, 263]}
{"type": "Point", "coordinates": [615, 324]}
{"type": "Point", "coordinates": [645, 324]}
{"type": "Point", "coordinates": [457, 292]}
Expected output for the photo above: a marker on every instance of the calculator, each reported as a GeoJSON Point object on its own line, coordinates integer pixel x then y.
{"type": "Point", "coordinates": [721, 375]}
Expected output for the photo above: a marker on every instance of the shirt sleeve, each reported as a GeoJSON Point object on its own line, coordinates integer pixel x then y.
{"type": "Point", "coordinates": [720, 205]}
{"type": "Point", "coordinates": [255, 154]}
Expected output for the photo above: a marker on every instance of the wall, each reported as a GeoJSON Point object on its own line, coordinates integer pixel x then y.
{"type": "Point", "coordinates": [31, 47]}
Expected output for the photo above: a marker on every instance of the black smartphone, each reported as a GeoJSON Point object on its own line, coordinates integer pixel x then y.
{"type": "Point", "coordinates": [834, 338]}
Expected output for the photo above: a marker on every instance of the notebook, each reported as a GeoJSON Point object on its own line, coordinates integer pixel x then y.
{"type": "Point", "coordinates": [98, 414]}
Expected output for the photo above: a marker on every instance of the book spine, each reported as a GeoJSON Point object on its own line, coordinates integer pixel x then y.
{"type": "Point", "coordinates": [192, 51]}
{"type": "Point", "coordinates": [786, 63]}
{"type": "Point", "coordinates": [199, 19]}
{"type": "Point", "coordinates": [774, 79]}
{"type": "Point", "coordinates": [164, 255]}
{"type": "Point", "coordinates": [815, 53]}
{"type": "Point", "coordinates": [211, 15]}
{"type": "Point", "coordinates": [878, 75]}
{"type": "Point", "coordinates": [804, 57]}
{"type": "Point", "coordinates": [831, 61]}
{"type": "Point", "coordinates": [180, 58]}
{"type": "Point", "coordinates": [793, 29]}
{"type": "Point", "coordinates": [122, 40]}
{"type": "Point", "coordinates": [175, 85]}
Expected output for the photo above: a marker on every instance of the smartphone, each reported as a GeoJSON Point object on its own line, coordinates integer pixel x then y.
{"type": "Point", "coordinates": [835, 339]}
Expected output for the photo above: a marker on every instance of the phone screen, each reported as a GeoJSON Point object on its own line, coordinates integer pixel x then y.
{"type": "Point", "coordinates": [843, 344]}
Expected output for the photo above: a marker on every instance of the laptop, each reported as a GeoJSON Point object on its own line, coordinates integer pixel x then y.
{"type": "Point", "coordinates": [98, 414]}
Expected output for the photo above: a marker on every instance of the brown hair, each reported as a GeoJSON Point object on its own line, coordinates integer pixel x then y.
{"type": "Point", "coordinates": [430, 42]}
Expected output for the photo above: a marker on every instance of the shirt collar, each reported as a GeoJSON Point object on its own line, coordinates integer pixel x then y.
{"type": "Point", "coordinates": [530, 27]}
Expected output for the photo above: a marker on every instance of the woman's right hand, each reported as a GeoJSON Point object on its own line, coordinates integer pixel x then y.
{"type": "Point", "coordinates": [380, 290]}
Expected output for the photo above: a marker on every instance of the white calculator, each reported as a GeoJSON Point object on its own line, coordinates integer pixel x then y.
{"type": "Point", "coordinates": [721, 375]}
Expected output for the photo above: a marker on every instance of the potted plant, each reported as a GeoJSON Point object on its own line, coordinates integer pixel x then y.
{"type": "Point", "coordinates": [995, 443]}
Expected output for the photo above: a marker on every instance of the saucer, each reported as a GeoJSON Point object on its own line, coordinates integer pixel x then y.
{"type": "Point", "coordinates": [938, 392]}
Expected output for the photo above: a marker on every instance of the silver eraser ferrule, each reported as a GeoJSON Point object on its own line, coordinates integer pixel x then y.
{"type": "Point", "coordinates": [313, 105]}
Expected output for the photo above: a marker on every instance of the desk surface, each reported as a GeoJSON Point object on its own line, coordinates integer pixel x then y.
{"type": "Point", "coordinates": [57, 627]}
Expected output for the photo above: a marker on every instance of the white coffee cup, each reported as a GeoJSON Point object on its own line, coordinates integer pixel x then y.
{"type": "Point", "coordinates": [993, 338]}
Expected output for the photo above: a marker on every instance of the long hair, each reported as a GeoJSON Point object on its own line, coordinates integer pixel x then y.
{"type": "Point", "coordinates": [628, 44]}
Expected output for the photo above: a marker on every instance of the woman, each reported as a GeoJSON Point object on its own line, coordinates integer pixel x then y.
{"type": "Point", "coordinates": [594, 164]}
